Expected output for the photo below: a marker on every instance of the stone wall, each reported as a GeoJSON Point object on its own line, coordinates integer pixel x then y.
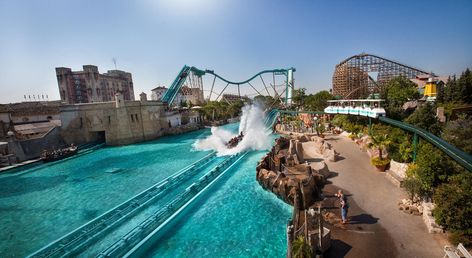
{"type": "Point", "coordinates": [123, 122]}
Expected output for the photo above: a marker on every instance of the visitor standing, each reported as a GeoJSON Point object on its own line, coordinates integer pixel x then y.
{"type": "Point", "coordinates": [343, 204]}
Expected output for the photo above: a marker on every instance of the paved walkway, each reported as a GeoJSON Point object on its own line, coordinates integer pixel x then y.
{"type": "Point", "coordinates": [375, 195]}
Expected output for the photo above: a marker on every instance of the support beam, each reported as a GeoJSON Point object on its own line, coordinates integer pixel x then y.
{"type": "Point", "coordinates": [239, 92]}
{"type": "Point", "coordinates": [370, 126]}
{"type": "Point", "coordinates": [254, 88]}
{"type": "Point", "coordinates": [212, 85]}
{"type": "Point", "coordinates": [265, 87]}
{"type": "Point", "coordinates": [221, 93]}
{"type": "Point", "coordinates": [415, 146]}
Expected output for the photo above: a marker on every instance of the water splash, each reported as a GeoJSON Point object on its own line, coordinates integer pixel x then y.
{"type": "Point", "coordinates": [256, 135]}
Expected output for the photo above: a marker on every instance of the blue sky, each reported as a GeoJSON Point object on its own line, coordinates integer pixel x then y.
{"type": "Point", "coordinates": [153, 39]}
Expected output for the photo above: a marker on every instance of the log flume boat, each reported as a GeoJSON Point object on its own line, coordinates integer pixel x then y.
{"type": "Point", "coordinates": [49, 156]}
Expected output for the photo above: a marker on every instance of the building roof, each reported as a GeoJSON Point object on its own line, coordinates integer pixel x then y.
{"type": "Point", "coordinates": [420, 83]}
{"type": "Point", "coordinates": [31, 107]}
{"type": "Point", "coordinates": [39, 129]}
{"type": "Point", "coordinates": [422, 80]}
{"type": "Point", "coordinates": [160, 88]}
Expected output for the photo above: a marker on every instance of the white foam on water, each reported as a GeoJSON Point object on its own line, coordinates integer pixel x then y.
{"type": "Point", "coordinates": [256, 135]}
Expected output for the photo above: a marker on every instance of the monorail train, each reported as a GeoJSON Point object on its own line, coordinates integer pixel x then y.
{"type": "Point", "coordinates": [360, 107]}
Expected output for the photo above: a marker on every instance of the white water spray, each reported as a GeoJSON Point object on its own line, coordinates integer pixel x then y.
{"type": "Point", "coordinates": [256, 135]}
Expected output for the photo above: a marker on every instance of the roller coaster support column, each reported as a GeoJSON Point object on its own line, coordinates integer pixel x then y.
{"type": "Point", "coordinates": [370, 126]}
{"type": "Point", "coordinates": [289, 86]}
{"type": "Point", "coordinates": [415, 146]}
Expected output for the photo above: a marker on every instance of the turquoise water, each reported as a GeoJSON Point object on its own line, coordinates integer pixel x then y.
{"type": "Point", "coordinates": [237, 218]}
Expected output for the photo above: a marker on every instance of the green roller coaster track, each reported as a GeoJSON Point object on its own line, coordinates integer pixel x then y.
{"type": "Point", "coordinates": [461, 157]}
{"type": "Point", "coordinates": [171, 93]}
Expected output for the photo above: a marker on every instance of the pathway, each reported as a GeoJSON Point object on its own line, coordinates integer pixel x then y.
{"type": "Point", "coordinates": [375, 195]}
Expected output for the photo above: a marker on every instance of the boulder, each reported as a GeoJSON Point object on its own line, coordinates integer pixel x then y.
{"type": "Point", "coordinates": [290, 161]}
{"type": "Point", "coordinates": [262, 174]}
{"type": "Point", "coordinates": [303, 138]}
{"type": "Point", "coordinates": [320, 168]}
{"type": "Point", "coordinates": [398, 169]}
{"type": "Point", "coordinates": [414, 210]}
{"type": "Point", "coordinates": [299, 151]}
{"type": "Point", "coordinates": [330, 155]}
{"type": "Point", "coordinates": [291, 147]}
{"type": "Point", "coordinates": [428, 218]}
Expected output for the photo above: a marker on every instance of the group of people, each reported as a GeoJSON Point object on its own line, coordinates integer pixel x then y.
{"type": "Point", "coordinates": [59, 152]}
{"type": "Point", "coordinates": [235, 140]}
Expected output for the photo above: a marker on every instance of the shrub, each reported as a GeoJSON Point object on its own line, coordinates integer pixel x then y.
{"type": "Point", "coordinates": [434, 167]}
{"type": "Point", "coordinates": [458, 133]}
{"type": "Point", "coordinates": [413, 187]}
{"type": "Point", "coordinates": [379, 141]}
{"type": "Point", "coordinates": [425, 117]}
{"type": "Point", "coordinates": [401, 148]}
{"type": "Point", "coordinates": [340, 120]}
{"type": "Point", "coordinates": [300, 248]}
{"type": "Point", "coordinates": [454, 205]}
{"type": "Point", "coordinates": [379, 162]}
{"type": "Point", "coordinates": [460, 237]}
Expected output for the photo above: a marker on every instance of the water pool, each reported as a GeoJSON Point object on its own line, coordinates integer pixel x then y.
{"type": "Point", "coordinates": [237, 219]}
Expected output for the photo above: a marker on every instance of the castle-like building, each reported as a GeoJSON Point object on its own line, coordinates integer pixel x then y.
{"type": "Point", "coordinates": [90, 86]}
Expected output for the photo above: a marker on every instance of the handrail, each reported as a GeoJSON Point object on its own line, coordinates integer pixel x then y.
{"type": "Point", "coordinates": [452, 151]}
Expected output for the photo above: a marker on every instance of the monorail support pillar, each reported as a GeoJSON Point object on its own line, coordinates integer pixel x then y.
{"type": "Point", "coordinates": [370, 126]}
{"type": "Point", "coordinates": [415, 146]}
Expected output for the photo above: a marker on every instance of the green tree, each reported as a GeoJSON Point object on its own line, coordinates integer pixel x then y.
{"type": "Point", "coordinates": [267, 101]}
{"type": "Point", "coordinates": [464, 87]}
{"type": "Point", "coordinates": [396, 92]}
{"type": "Point", "coordinates": [454, 206]}
{"type": "Point", "coordinates": [234, 109]}
{"type": "Point", "coordinates": [424, 117]}
{"type": "Point", "coordinates": [216, 110]}
{"type": "Point", "coordinates": [298, 97]}
{"type": "Point", "coordinates": [379, 141]}
{"type": "Point", "coordinates": [458, 132]}
{"type": "Point", "coordinates": [401, 148]}
{"type": "Point", "coordinates": [440, 95]}
{"type": "Point", "coordinates": [300, 248]}
{"type": "Point", "coordinates": [318, 101]}
{"type": "Point", "coordinates": [433, 167]}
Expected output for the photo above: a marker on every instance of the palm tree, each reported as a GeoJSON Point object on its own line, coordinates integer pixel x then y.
{"type": "Point", "coordinates": [300, 249]}
{"type": "Point", "coordinates": [380, 142]}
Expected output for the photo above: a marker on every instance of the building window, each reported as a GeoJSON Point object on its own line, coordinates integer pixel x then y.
{"type": "Point", "coordinates": [137, 120]}
{"type": "Point", "coordinates": [81, 122]}
{"type": "Point", "coordinates": [109, 119]}
{"type": "Point", "coordinates": [132, 118]}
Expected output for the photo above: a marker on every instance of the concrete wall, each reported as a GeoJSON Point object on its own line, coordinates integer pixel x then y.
{"type": "Point", "coordinates": [32, 148]}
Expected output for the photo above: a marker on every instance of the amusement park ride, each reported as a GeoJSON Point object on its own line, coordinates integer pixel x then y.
{"type": "Point", "coordinates": [359, 107]}
{"type": "Point", "coordinates": [192, 75]}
